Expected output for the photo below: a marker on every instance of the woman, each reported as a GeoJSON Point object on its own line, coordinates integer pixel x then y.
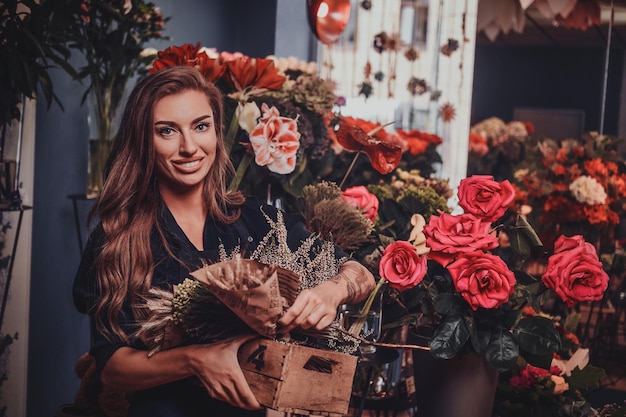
{"type": "Point", "coordinates": [163, 211]}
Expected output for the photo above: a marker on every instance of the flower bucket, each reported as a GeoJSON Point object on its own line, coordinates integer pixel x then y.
{"type": "Point", "coordinates": [464, 386]}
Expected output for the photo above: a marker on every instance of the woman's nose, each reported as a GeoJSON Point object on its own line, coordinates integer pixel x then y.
{"type": "Point", "coordinates": [187, 146]}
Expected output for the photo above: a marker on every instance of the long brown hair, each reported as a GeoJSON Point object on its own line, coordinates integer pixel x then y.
{"type": "Point", "coordinates": [129, 201]}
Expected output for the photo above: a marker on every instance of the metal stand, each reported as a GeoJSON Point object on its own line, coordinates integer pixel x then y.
{"type": "Point", "coordinates": [75, 199]}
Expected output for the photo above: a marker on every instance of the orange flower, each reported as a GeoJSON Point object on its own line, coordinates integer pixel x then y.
{"type": "Point", "coordinates": [561, 155]}
{"type": "Point", "coordinates": [558, 169]}
{"type": "Point", "coordinates": [358, 135]}
{"type": "Point", "coordinates": [251, 76]}
{"type": "Point", "coordinates": [478, 144]}
{"type": "Point", "coordinates": [418, 141]}
{"type": "Point", "coordinates": [595, 167]}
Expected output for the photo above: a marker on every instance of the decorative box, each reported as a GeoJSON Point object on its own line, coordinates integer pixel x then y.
{"type": "Point", "coordinates": [298, 379]}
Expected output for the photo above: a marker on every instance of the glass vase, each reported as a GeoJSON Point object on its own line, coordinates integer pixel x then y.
{"type": "Point", "coordinates": [349, 315]}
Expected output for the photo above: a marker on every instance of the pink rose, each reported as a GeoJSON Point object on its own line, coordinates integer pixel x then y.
{"type": "Point", "coordinates": [483, 197]}
{"type": "Point", "coordinates": [574, 271]}
{"type": "Point", "coordinates": [362, 199]}
{"type": "Point", "coordinates": [482, 279]}
{"type": "Point", "coordinates": [448, 235]}
{"type": "Point", "coordinates": [275, 141]}
{"type": "Point", "coordinates": [401, 266]}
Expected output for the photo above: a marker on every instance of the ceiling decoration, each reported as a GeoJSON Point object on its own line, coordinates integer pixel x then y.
{"type": "Point", "coordinates": [496, 17]}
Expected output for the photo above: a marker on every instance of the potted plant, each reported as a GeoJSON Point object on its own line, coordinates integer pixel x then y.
{"type": "Point", "coordinates": [31, 41]}
{"type": "Point", "coordinates": [111, 35]}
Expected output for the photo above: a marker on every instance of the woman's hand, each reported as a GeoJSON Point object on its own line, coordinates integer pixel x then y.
{"type": "Point", "coordinates": [317, 307]}
{"type": "Point", "coordinates": [313, 308]}
{"type": "Point", "coordinates": [217, 367]}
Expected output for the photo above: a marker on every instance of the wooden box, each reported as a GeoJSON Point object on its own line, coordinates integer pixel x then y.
{"type": "Point", "coordinates": [298, 379]}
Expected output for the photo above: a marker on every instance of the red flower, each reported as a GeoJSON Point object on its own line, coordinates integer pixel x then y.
{"type": "Point", "coordinates": [482, 279]}
{"type": "Point", "coordinates": [401, 266]}
{"type": "Point", "coordinates": [252, 74]}
{"type": "Point", "coordinates": [357, 135]}
{"type": "Point", "coordinates": [448, 236]}
{"type": "Point", "coordinates": [574, 271]}
{"type": "Point", "coordinates": [363, 200]}
{"type": "Point", "coordinates": [188, 55]}
{"type": "Point", "coordinates": [485, 198]}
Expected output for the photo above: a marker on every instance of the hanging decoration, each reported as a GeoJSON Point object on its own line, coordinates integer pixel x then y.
{"type": "Point", "coordinates": [551, 8]}
{"type": "Point", "coordinates": [447, 112]}
{"type": "Point", "coordinates": [328, 18]}
{"type": "Point", "coordinates": [448, 48]}
{"type": "Point", "coordinates": [495, 16]}
{"type": "Point", "coordinates": [586, 13]}
{"type": "Point", "coordinates": [501, 16]}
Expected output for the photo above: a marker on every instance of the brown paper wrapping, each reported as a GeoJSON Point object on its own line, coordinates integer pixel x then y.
{"type": "Point", "coordinates": [257, 293]}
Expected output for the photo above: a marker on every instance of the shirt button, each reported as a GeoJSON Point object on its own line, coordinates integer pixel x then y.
{"type": "Point", "coordinates": [250, 239]}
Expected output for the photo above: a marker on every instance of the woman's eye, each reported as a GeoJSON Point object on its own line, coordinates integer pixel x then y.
{"type": "Point", "coordinates": [202, 127]}
{"type": "Point", "coordinates": [166, 131]}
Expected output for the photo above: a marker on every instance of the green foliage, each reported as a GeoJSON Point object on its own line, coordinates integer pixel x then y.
{"type": "Point", "coordinates": [31, 42]}
{"type": "Point", "coordinates": [537, 335]}
{"type": "Point", "coordinates": [586, 378]}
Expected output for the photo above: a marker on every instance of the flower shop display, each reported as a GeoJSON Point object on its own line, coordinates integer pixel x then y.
{"type": "Point", "coordinates": [111, 36]}
{"type": "Point", "coordinates": [461, 285]}
{"type": "Point", "coordinates": [286, 131]}
{"type": "Point", "coordinates": [496, 146]}
{"type": "Point", "coordinates": [574, 187]}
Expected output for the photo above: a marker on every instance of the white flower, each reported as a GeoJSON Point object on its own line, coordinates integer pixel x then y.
{"type": "Point", "coordinates": [521, 173]}
{"type": "Point", "coordinates": [248, 115]}
{"type": "Point", "coordinates": [516, 130]}
{"type": "Point", "coordinates": [147, 52]}
{"type": "Point", "coordinates": [588, 190]}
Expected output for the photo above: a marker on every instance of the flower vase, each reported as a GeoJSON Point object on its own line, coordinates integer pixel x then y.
{"type": "Point", "coordinates": [102, 120]}
{"type": "Point", "coordinates": [464, 386]}
{"type": "Point", "coordinates": [98, 153]}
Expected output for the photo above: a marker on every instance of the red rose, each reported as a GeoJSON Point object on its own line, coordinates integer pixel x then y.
{"type": "Point", "coordinates": [449, 235]}
{"type": "Point", "coordinates": [401, 266]}
{"type": "Point", "coordinates": [483, 197]}
{"type": "Point", "coordinates": [362, 199]}
{"type": "Point", "coordinates": [574, 272]}
{"type": "Point", "coordinates": [482, 279]}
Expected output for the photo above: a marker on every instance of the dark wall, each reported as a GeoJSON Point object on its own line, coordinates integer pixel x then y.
{"type": "Point", "coordinates": [58, 334]}
{"type": "Point", "coordinates": [546, 77]}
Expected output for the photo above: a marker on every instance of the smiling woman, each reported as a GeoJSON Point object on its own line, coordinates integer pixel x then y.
{"type": "Point", "coordinates": [165, 211]}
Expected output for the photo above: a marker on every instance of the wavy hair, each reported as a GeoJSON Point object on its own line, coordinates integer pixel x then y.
{"type": "Point", "coordinates": [129, 201]}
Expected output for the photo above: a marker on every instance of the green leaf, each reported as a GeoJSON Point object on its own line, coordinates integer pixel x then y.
{"type": "Point", "coordinates": [502, 351]}
{"type": "Point", "coordinates": [537, 335]}
{"type": "Point", "coordinates": [449, 338]}
{"type": "Point", "coordinates": [448, 304]}
{"type": "Point", "coordinates": [588, 377]}
{"type": "Point", "coordinates": [540, 361]}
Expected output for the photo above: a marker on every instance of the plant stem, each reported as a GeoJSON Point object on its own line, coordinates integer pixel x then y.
{"type": "Point", "coordinates": [345, 177]}
{"type": "Point", "coordinates": [356, 327]}
{"type": "Point", "coordinates": [231, 133]}
{"type": "Point", "coordinates": [241, 170]}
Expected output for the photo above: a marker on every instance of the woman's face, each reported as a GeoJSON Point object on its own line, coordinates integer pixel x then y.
{"type": "Point", "coordinates": [184, 139]}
